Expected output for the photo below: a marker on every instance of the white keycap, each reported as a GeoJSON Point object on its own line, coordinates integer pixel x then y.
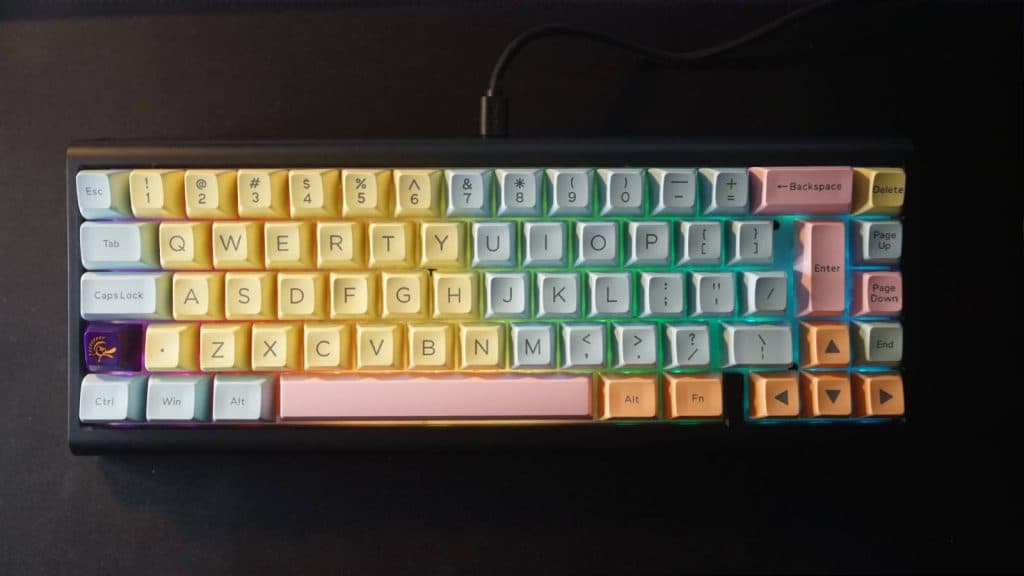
{"type": "Point", "coordinates": [125, 295]}
{"type": "Point", "coordinates": [764, 293]}
{"type": "Point", "coordinates": [494, 244]}
{"type": "Point", "coordinates": [103, 194]}
{"type": "Point", "coordinates": [648, 243]}
{"type": "Point", "coordinates": [758, 345]}
{"type": "Point", "coordinates": [519, 192]}
{"type": "Point", "coordinates": [507, 295]}
{"type": "Point", "coordinates": [881, 241]}
{"type": "Point", "coordinates": [571, 191]}
{"type": "Point", "coordinates": [714, 293]}
{"type": "Point", "coordinates": [243, 398]}
{"type": "Point", "coordinates": [177, 398]}
{"type": "Point", "coordinates": [636, 345]}
{"type": "Point", "coordinates": [673, 191]}
{"type": "Point", "coordinates": [661, 293]}
{"type": "Point", "coordinates": [688, 346]}
{"type": "Point", "coordinates": [582, 345]}
{"type": "Point", "coordinates": [610, 294]}
{"type": "Point", "coordinates": [119, 245]}
{"type": "Point", "coordinates": [621, 191]}
{"type": "Point", "coordinates": [725, 190]}
{"type": "Point", "coordinates": [469, 191]}
{"type": "Point", "coordinates": [558, 295]}
{"type": "Point", "coordinates": [751, 242]}
{"type": "Point", "coordinates": [699, 243]}
{"type": "Point", "coordinates": [533, 345]}
{"type": "Point", "coordinates": [545, 244]}
{"type": "Point", "coordinates": [108, 398]}
{"type": "Point", "coordinates": [597, 243]}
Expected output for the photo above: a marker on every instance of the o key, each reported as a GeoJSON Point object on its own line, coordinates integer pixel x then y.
{"type": "Point", "coordinates": [808, 190]}
{"type": "Point", "coordinates": [821, 268]}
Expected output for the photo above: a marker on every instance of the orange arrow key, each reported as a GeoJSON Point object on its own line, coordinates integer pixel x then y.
{"type": "Point", "coordinates": [773, 395]}
{"type": "Point", "coordinates": [824, 344]}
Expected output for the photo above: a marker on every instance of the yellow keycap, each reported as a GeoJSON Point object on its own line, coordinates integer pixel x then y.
{"type": "Point", "coordinates": [302, 295]}
{"type": "Point", "coordinates": [185, 245]}
{"type": "Point", "coordinates": [224, 347]}
{"type": "Point", "coordinates": [443, 245]}
{"type": "Point", "coordinates": [262, 193]}
{"type": "Point", "coordinates": [172, 347]}
{"type": "Point", "coordinates": [354, 295]}
{"type": "Point", "coordinates": [878, 190]}
{"type": "Point", "coordinates": [250, 296]}
{"type": "Point", "coordinates": [157, 193]}
{"type": "Point", "coordinates": [210, 194]}
{"type": "Point", "coordinates": [365, 193]}
{"type": "Point", "coordinates": [418, 192]}
{"type": "Point", "coordinates": [379, 347]}
{"type": "Point", "coordinates": [314, 193]}
{"type": "Point", "coordinates": [238, 245]}
{"type": "Point", "coordinates": [275, 346]}
{"type": "Point", "coordinates": [198, 295]}
{"type": "Point", "coordinates": [404, 295]}
{"type": "Point", "coordinates": [455, 295]}
{"type": "Point", "coordinates": [288, 245]}
{"type": "Point", "coordinates": [431, 347]}
{"type": "Point", "coordinates": [328, 346]}
{"type": "Point", "coordinates": [481, 346]}
{"type": "Point", "coordinates": [392, 245]}
{"type": "Point", "coordinates": [340, 245]}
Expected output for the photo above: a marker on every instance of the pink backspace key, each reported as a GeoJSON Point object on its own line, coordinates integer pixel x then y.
{"type": "Point", "coordinates": [821, 267]}
{"type": "Point", "coordinates": [801, 190]}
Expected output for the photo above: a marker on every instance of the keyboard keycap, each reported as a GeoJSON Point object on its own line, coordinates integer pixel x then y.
{"type": "Point", "coordinates": [583, 345]}
{"type": "Point", "coordinates": [821, 268]}
{"type": "Point", "coordinates": [211, 194]}
{"type": "Point", "coordinates": [157, 193]}
{"type": "Point", "coordinates": [545, 244]}
{"type": "Point", "coordinates": [418, 193]}
{"type": "Point", "coordinates": [302, 296]}
{"type": "Point", "coordinates": [113, 347]}
{"type": "Point", "coordinates": [751, 242]}
{"type": "Point", "coordinates": [688, 346]}
{"type": "Point", "coordinates": [558, 295]}
{"type": "Point", "coordinates": [125, 296]}
{"type": "Point", "coordinates": [699, 243]}
{"type": "Point", "coordinates": [262, 193]}
{"type": "Point", "coordinates": [392, 245]}
{"type": "Point", "coordinates": [313, 193]}
{"type": "Point", "coordinates": [250, 296]}
{"type": "Point", "coordinates": [693, 396]}
{"type": "Point", "coordinates": [725, 190]}
{"type": "Point", "coordinates": [648, 243]}
{"type": "Point", "coordinates": [431, 347]}
{"type": "Point", "coordinates": [635, 345]}
{"type": "Point", "coordinates": [508, 295]}
{"type": "Point", "coordinates": [533, 345]}
{"type": "Point", "coordinates": [825, 394]}
{"type": "Point", "coordinates": [758, 344]}
{"type": "Point", "coordinates": [824, 344]}
{"type": "Point", "coordinates": [878, 190]}
{"type": "Point", "coordinates": [198, 296]}
{"type": "Point", "coordinates": [237, 245]}
{"type": "Point", "coordinates": [449, 396]}
{"type": "Point", "coordinates": [878, 394]}
{"type": "Point", "coordinates": [482, 346]}
{"type": "Point", "coordinates": [621, 191]}
{"type": "Point", "coordinates": [773, 395]}
{"type": "Point", "coordinates": [519, 192]}
{"type": "Point", "coordinates": [469, 192]}
{"type": "Point", "coordinates": [103, 194]}
{"type": "Point", "coordinates": [673, 191]}
{"type": "Point", "coordinates": [494, 244]}
{"type": "Point", "coordinates": [380, 347]}
{"type": "Point", "coordinates": [365, 193]}
{"type": "Point", "coordinates": [879, 241]}
{"type": "Point", "coordinates": [327, 346]}
{"type": "Point", "coordinates": [802, 190]}
{"type": "Point", "coordinates": [224, 347]}
{"type": "Point", "coordinates": [713, 294]}
{"type": "Point", "coordinates": [185, 246]}
{"type": "Point", "coordinates": [243, 398]}
{"type": "Point", "coordinates": [610, 294]}
{"type": "Point", "coordinates": [178, 398]}
{"type": "Point", "coordinates": [877, 293]}
{"type": "Point", "coordinates": [628, 396]}
{"type": "Point", "coordinates": [765, 293]}
{"type": "Point", "coordinates": [443, 245]}
{"type": "Point", "coordinates": [354, 295]}
{"type": "Point", "coordinates": [597, 243]}
{"type": "Point", "coordinates": [572, 193]}
{"type": "Point", "coordinates": [405, 295]}
{"type": "Point", "coordinates": [172, 347]}
{"type": "Point", "coordinates": [275, 346]}
{"type": "Point", "coordinates": [340, 245]}
{"type": "Point", "coordinates": [455, 295]}
{"type": "Point", "coordinates": [109, 398]}
{"type": "Point", "coordinates": [661, 293]}
{"type": "Point", "coordinates": [878, 342]}
{"type": "Point", "coordinates": [119, 245]}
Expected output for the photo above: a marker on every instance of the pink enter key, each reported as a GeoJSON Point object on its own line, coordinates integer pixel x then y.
{"type": "Point", "coordinates": [878, 293]}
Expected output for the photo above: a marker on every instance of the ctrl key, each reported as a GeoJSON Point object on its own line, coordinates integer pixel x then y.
{"type": "Point", "coordinates": [108, 398]}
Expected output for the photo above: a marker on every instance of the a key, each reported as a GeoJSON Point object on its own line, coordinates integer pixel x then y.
{"type": "Point", "coordinates": [713, 293]}
{"type": "Point", "coordinates": [802, 190]}
{"type": "Point", "coordinates": [571, 191]}
{"type": "Point", "coordinates": [764, 293]}
{"type": "Point", "coordinates": [125, 296]}
{"type": "Point", "coordinates": [597, 243]}
{"type": "Point", "coordinates": [878, 190]}
{"type": "Point", "coordinates": [507, 295]}
{"type": "Point", "coordinates": [545, 244]}
{"type": "Point", "coordinates": [661, 293]}
{"type": "Point", "coordinates": [243, 398]}
{"type": "Point", "coordinates": [699, 243]}
{"type": "Point", "coordinates": [519, 192]}
{"type": "Point", "coordinates": [583, 345]}
{"type": "Point", "coordinates": [197, 296]}
{"type": "Point", "coordinates": [119, 245]}
{"type": "Point", "coordinates": [112, 347]}
{"type": "Point", "coordinates": [821, 268]}
{"type": "Point", "coordinates": [877, 293]}
{"type": "Point", "coordinates": [879, 241]}
{"type": "Point", "coordinates": [758, 344]}
{"type": "Point", "coordinates": [610, 294]}
{"type": "Point", "coordinates": [725, 190]}
{"type": "Point", "coordinates": [533, 345]}
{"type": "Point", "coordinates": [648, 243]}
{"type": "Point", "coordinates": [751, 242]}
{"type": "Point", "coordinates": [689, 345]}
{"type": "Point", "coordinates": [103, 194]}
{"type": "Point", "coordinates": [469, 191]}
{"type": "Point", "coordinates": [558, 295]}
{"type": "Point", "coordinates": [110, 398]}
{"type": "Point", "coordinates": [878, 342]}
{"type": "Point", "coordinates": [773, 395]}
{"type": "Point", "coordinates": [635, 345]}
{"type": "Point", "coordinates": [178, 398]}
{"type": "Point", "coordinates": [494, 244]}
{"type": "Point", "coordinates": [621, 191]}
{"type": "Point", "coordinates": [628, 396]}
{"type": "Point", "coordinates": [673, 191]}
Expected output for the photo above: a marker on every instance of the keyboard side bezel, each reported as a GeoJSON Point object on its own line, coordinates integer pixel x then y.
{"type": "Point", "coordinates": [87, 439]}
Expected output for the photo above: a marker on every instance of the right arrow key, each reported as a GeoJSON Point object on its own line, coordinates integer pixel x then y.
{"type": "Point", "coordinates": [878, 394]}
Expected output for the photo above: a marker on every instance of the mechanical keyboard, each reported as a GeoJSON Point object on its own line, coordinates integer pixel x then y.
{"type": "Point", "coordinates": [375, 294]}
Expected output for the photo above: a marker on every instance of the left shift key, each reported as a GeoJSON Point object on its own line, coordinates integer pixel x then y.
{"type": "Point", "coordinates": [125, 295]}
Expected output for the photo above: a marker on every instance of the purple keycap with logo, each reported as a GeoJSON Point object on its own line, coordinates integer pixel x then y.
{"type": "Point", "coordinates": [110, 347]}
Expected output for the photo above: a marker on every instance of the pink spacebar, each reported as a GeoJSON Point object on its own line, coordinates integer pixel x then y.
{"type": "Point", "coordinates": [453, 396]}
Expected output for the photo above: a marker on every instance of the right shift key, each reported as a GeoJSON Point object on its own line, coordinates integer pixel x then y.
{"type": "Point", "coordinates": [820, 267]}
{"type": "Point", "coordinates": [801, 190]}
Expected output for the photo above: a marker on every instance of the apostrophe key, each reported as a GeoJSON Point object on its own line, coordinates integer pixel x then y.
{"type": "Point", "coordinates": [420, 294]}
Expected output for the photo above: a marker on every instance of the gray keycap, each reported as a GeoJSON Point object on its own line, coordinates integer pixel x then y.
{"type": "Point", "coordinates": [597, 243]}
{"type": "Point", "coordinates": [582, 345]}
{"type": "Point", "coordinates": [648, 243]}
{"type": "Point", "coordinates": [533, 346]}
{"type": "Point", "coordinates": [881, 241]}
{"type": "Point", "coordinates": [621, 191]}
{"type": "Point", "coordinates": [688, 345]}
{"type": "Point", "coordinates": [241, 398]}
{"type": "Point", "coordinates": [757, 344]}
{"type": "Point", "coordinates": [469, 191]}
{"type": "Point", "coordinates": [558, 295]}
{"type": "Point", "coordinates": [507, 295]}
{"type": "Point", "coordinates": [519, 192]}
{"type": "Point", "coordinates": [713, 293]}
{"type": "Point", "coordinates": [764, 293]}
{"type": "Point", "coordinates": [572, 193]}
{"type": "Point", "coordinates": [110, 398]}
{"type": "Point", "coordinates": [878, 342]}
{"type": "Point", "coordinates": [545, 244]}
{"type": "Point", "coordinates": [609, 294]}
{"type": "Point", "coordinates": [494, 244]}
{"type": "Point", "coordinates": [178, 398]}
{"type": "Point", "coordinates": [699, 243]}
{"type": "Point", "coordinates": [636, 345]}
{"type": "Point", "coordinates": [661, 293]}
{"type": "Point", "coordinates": [725, 190]}
{"type": "Point", "coordinates": [673, 191]}
{"type": "Point", "coordinates": [751, 242]}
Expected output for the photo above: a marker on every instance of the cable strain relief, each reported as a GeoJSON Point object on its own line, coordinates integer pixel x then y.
{"type": "Point", "coordinates": [493, 115]}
